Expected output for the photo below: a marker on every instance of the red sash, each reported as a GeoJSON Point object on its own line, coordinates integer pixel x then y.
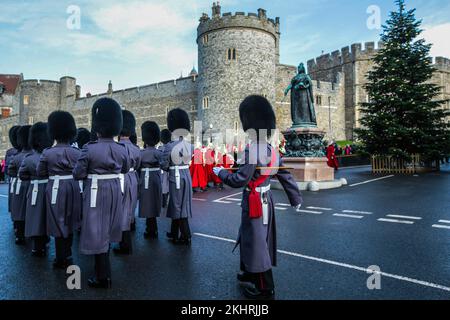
{"type": "Point", "coordinates": [254, 198]}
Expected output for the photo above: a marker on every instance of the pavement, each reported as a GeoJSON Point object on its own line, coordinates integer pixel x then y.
{"type": "Point", "coordinates": [400, 224]}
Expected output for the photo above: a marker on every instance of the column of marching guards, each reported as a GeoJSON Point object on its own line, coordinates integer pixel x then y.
{"type": "Point", "coordinates": [64, 180]}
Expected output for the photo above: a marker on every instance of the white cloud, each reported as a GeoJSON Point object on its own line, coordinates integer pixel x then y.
{"type": "Point", "coordinates": [131, 19]}
{"type": "Point", "coordinates": [439, 36]}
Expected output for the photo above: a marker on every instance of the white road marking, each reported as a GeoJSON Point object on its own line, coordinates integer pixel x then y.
{"type": "Point", "coordinates": [444, 221]}
{"type": "Point", "coordinates": [403, 217]}
{"type": "Point", "coordinates": [280, 208]}
{"type": "Point", "coordinates": [198, 199]}
{"type": "Point", "coordinates": [3, 196]}
{"type": "Point", "coordinates": [309, 211]}
{"type": "Point", "coordinates": [359, 212]}
{"type": "Point", "coordinates": [234, 199]}
{"type": "Point", "coordinates": [396, 221]}
{"type": "Point", "coordinates": [345, 265]}
{"type": "Point", "coordinates": [319, 208]}
{"type": "Point", "coordinates": [372, 180]}
{"type": "Point", "coordinates": [440, 226]}
{"type": "Point", "coordinates": [223, 199]}
{"type": "Point", "coordinates": [283, 204]}
{"type": "Point", "coordinates": [348, 216]}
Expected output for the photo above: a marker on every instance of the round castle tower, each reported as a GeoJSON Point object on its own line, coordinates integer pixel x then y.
{"type": "Point", "coordinates": [38, 98]}
{"type": "Point", "coordinates": [237, 57]}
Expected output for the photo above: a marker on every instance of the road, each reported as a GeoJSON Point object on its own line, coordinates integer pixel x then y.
{"type": "Point", "coordinates": [400, 224]}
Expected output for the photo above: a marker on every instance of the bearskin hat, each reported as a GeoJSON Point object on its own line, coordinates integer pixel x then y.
{"type": "Point", "coordinates": [83, 137]}
{"type": "Point", "coordinates": [13, 136]}
{"type": "Point", "coordinates": [61, 126]}
{"type": "Point", "coordinates": [150, 133]}
{"type": "Point", "coordinates": [166, 136]}
{"type": "Point", "coordinates": [22, 137]}
{"type": "Point", "coordinates": [257, 113]}
{"type": "Point", "coordinates": [129, 124]}
{"type": "Point", "coordinates": [39, 138]}
{"type": "Point", "coordinates": [107, 118]}
{"type": "Point", "coordinates": [178, 119]}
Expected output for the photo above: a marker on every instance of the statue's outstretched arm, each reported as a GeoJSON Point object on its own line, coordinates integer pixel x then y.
{"type": "Point", "coordinates": [288, 89]}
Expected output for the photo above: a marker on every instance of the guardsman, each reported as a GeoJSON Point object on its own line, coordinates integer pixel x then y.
{"type": "Point", "coordinates": [150, 187]}
{"type": "Point", "coordinates": [166, 137]}
{"type": "Point", "coordinates": [10, 153]}
{"type": "Point", "coordinates": [63, 193]}
{"type": "Point", "coordinates": [18, 200]}
{"type": "Point", "coordinates": [130, 197]}
{"type": "Point", "coordinates": [36, 212]}
{"type": "Point", "coordinates": [102, 165]}
{"type": "Point", "coordinates": [257, 234]}
{"type": "Point", "coordinates": [175, 160]}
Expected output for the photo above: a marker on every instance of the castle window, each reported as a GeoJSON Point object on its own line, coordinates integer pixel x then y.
{"type": "Point", "coordinates": [30, 120]}
{"type": "Point", "coordinates": [205, 103]}
{"type": "Point", "coordinates": [205, 39]}
{"type": "Point", "coordinates": [26, 100]}
{"type": "Point", "coordinates": [194, 107]}
{"type": "Point", "coordinates": [333, 86]}
{"type": "Point", "coordinates": [231, 54]}
{"type": "Point", "coordinates": [236, 127]}
{"type": "Point", "coordinates": [319, 100]}
{"type": "Point", "coordinates": [318, 84]}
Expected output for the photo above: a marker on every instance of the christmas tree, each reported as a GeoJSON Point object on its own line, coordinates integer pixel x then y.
{"type": "Point", "coordinates": [404, 115]}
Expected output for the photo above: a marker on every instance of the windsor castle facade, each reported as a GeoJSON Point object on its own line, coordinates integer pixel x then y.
{"type": "Point", "coordinates": [238, 55]}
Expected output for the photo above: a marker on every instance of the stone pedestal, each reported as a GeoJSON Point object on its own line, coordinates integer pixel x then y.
{"type": "Point", "coordinates": [305, 154]}
{"type": "Point", "coordinates": [309, 169]}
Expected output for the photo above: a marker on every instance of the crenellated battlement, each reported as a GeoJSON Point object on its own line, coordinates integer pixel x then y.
{"type": "Point", "coordinates": [348, 54]}
{"type": "Point", "coordinates": [238, 19]}
{"type": "Point", "coordinates": [442, 63]}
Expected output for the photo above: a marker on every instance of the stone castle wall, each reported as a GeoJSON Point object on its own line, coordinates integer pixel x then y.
{"type": "Point", "coordinates": [148, 103]}
{"type": "Point", "coordinates": [5, 125]}
{"type": "Point", "coordinates": [355, 62]}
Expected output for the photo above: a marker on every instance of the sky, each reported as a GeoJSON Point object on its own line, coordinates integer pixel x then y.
{"type": "Point", "coordinates": [138, 42]}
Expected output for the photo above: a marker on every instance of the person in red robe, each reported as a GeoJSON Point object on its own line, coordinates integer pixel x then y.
{"type": "Point", "coordinates": [209, 162]}
{"type": "Point", "coordinates": [198, 175]}
{"type": "Point", "coordinates": [332, 160]}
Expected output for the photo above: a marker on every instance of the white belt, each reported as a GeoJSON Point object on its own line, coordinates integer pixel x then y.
{"type": "Point", "coordinates": [147, 175]}
{"type": "Point", "coordinates": [80, 183]}
{"type": "Point", "coordinates": [18, 185]}
{"type": "Point", "coordinates": [11, 184]}
{"type": "Point", "coordinates": [55, 187]}
{"type": "Point", "coordinates": [34, 192]}
{"type": "Point", "coordinates": [265, 205]}
{"type": "Point", "coordinates": [177, 174]}
{"type": "Point", "coordinates": [94, 184]}
{"type": "Point", "coordinates": [131, 170]}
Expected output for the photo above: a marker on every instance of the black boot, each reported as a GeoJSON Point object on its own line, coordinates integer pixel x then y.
{"type": "Point", "coordinates": [99, 284]}
{"type": "Point", "coordinates": [122, 251]}
{"type": "Point", "coordinates": [153, 235]}
{"type": "Point", "coordinates": [245, 277]}
{"type": "Point", "coordinates": [62, 264]}
{"type": "Point", "coordinates": [181, 241]}
{"type": "Point", "coordinates": [255, 294]}
{"type": "Point", "coordinates": [39, 253]}
{"type": "Point", "coordinates": [20, 241]}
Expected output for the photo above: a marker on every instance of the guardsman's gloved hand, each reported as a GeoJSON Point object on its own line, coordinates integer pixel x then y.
{"type": "Point", "coordinates": [216, 170]}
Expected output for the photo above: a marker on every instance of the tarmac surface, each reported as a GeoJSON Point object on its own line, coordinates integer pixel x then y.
{"type": "Point", "coordinates": [401, 224]}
